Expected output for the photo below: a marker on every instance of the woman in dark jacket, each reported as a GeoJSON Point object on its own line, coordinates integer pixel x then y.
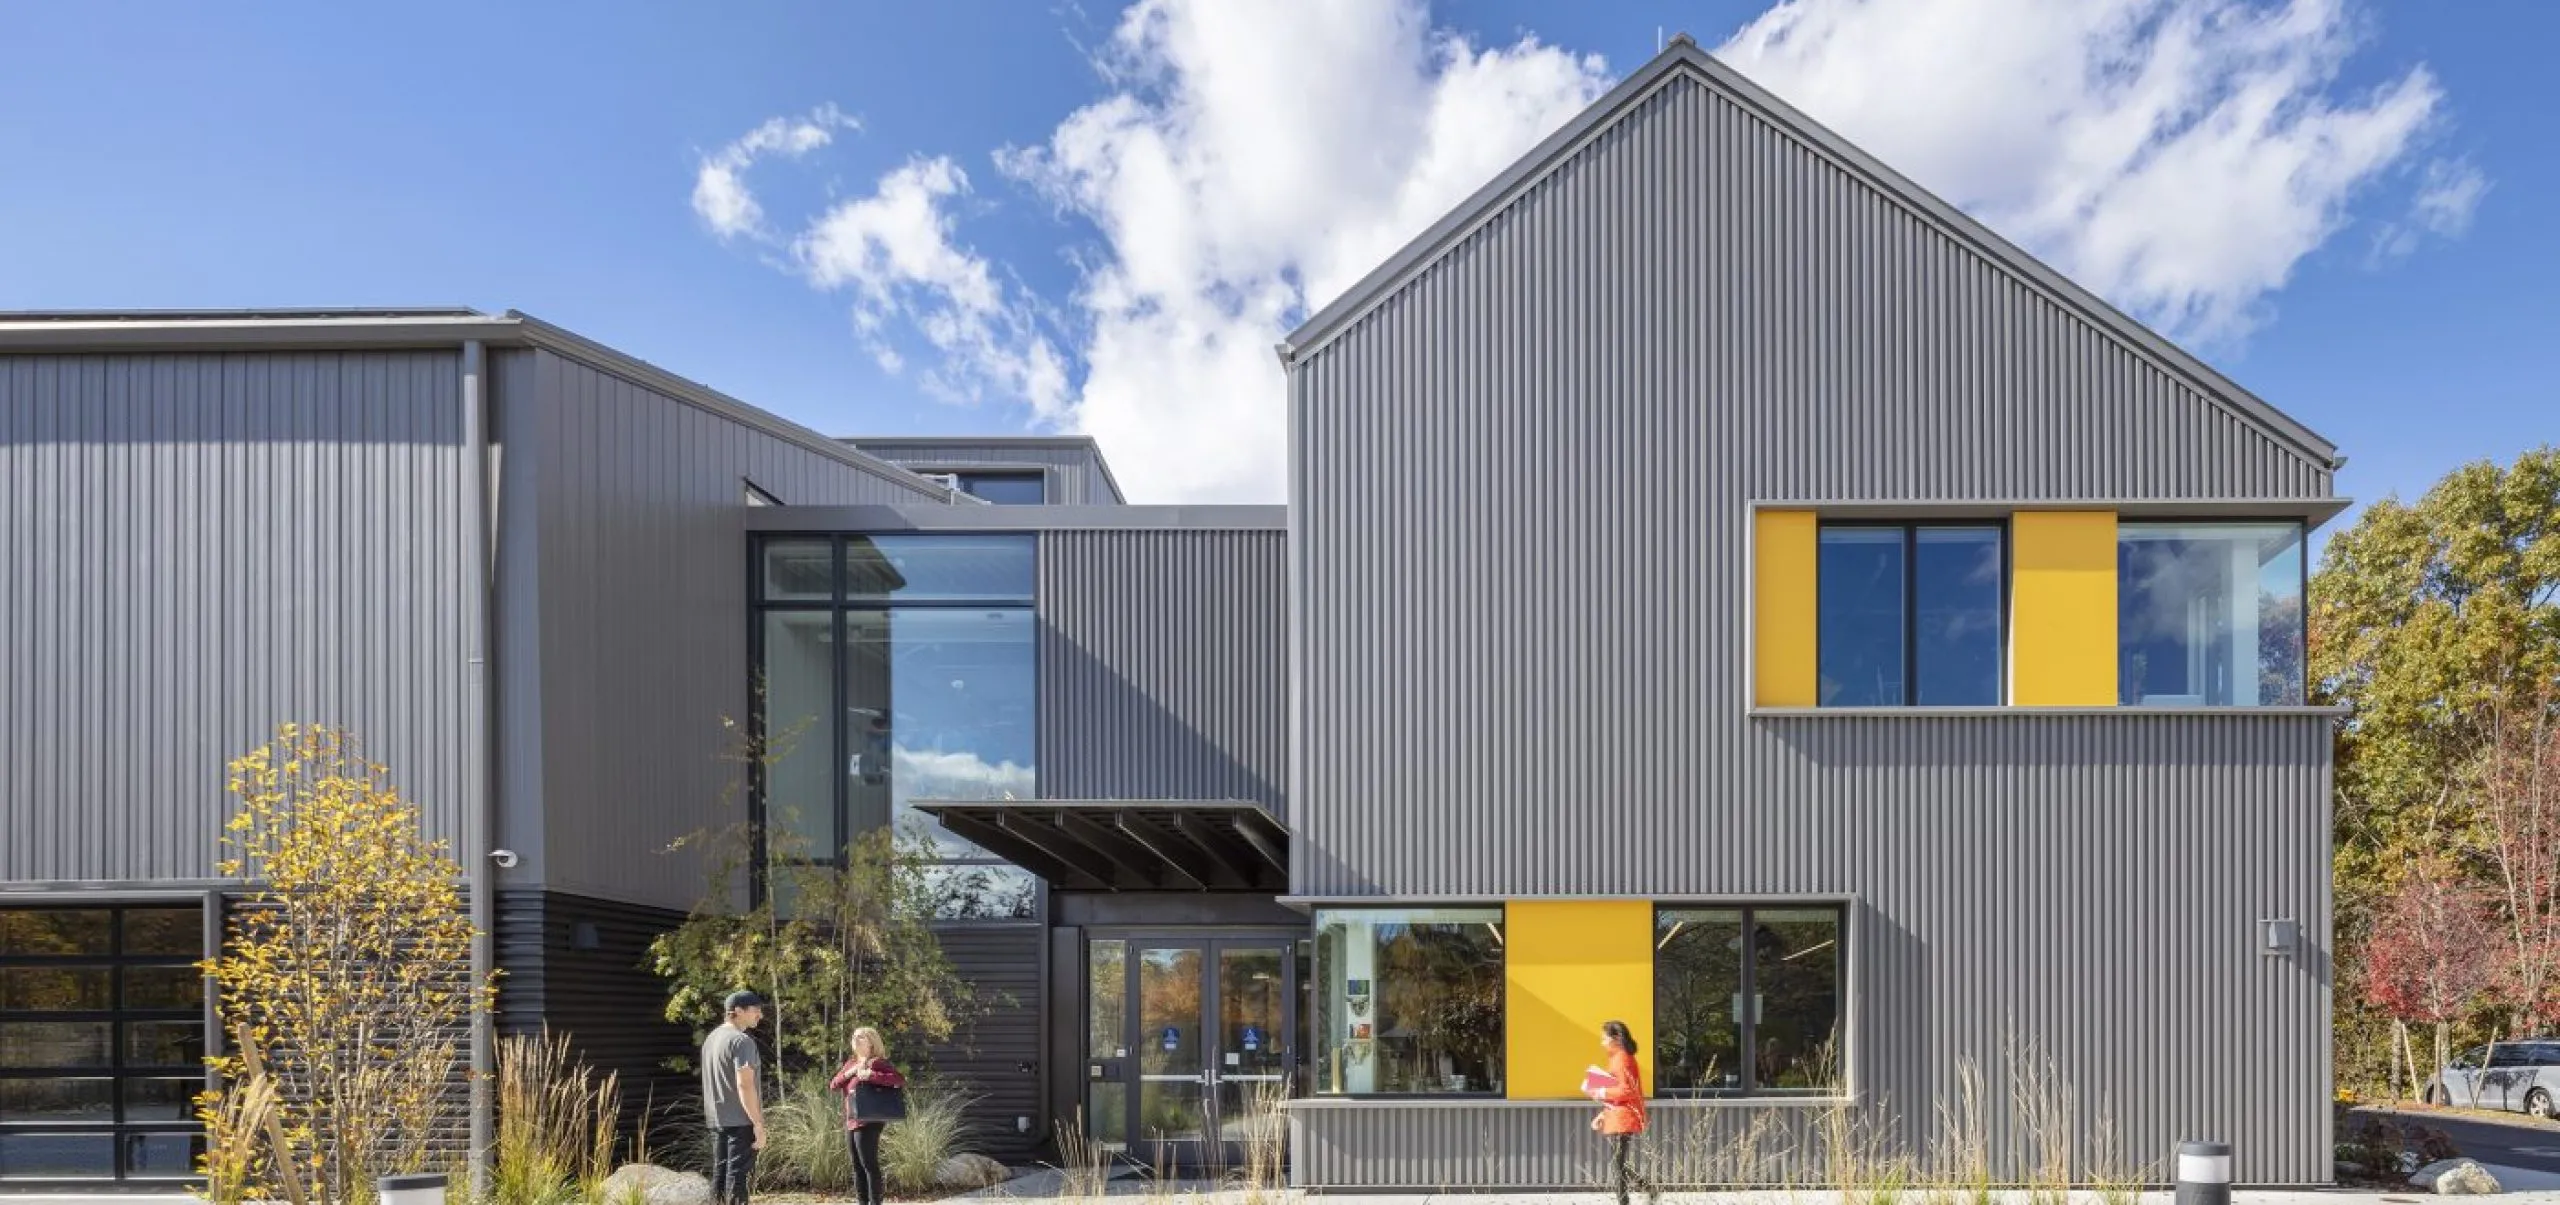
{"type": "Point", "coordinates": [869, 1065]}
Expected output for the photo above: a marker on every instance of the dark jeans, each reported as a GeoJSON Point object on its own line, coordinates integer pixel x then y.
{"type": "Point", "coordinates": [867, 1184]}
{"type": "Point", "coordinates": [1622, 1169]}
{"type": "Point", "coordinates": [733, 1164]}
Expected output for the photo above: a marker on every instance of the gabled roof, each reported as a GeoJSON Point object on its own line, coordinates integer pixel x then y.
{"type": "Point", "coordinates": [1684, 60]}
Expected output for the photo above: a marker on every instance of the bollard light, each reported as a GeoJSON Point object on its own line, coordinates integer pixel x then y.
{"type": "Point", "coordinates": [2204, 1173]}
{"type": "Point", "coordinates": [411, 1190]}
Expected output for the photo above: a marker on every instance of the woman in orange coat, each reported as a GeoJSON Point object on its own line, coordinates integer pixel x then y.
{"type": "Point", "coordinates": [1621, 1108]}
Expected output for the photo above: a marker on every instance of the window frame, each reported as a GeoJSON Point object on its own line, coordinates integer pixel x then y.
{"type": "Point", "coordinates": [1910, 529]}
{"type": "Point", "coordinates": [2302, 593]}
{"type": "Point", "coordinates": [1746, 1032]}
{"type": "Point", "coordinates": [1315, 995]}
{"type": "Point", "coordinates": [120, 1068]}
{"type": "Point", "coordinates": [839, 606]}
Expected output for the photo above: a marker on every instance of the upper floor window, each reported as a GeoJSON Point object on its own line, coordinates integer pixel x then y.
{"type": "Point", "coordinates": [1909, 615]}
{"type": "Point", "coordinates": [2209, 614]}
{"type": "Point", "coordinates": [1005, 489]}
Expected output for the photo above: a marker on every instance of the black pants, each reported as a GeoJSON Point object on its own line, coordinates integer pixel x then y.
{"type": "Point", "coordinates": [733, 1164]}
{"type": "Point", "coordinates": [1622, 1169]}
{"type": "Point", "coordinates": [867, 1184]}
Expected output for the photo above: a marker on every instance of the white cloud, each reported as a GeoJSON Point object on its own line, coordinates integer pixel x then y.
{"type": "Point", "coordinates": [1253, 160]}
{"type": "Point", "coordinates": [2180, 157]}
{"type": "Point", "coordinates": [2448, 194]}
{"type": "Point", "coordinates": [720, 194]}
{"type": "Point", "coordinates": [1250, 159]}
{"type": "Point", "coordinates": [896, 250]}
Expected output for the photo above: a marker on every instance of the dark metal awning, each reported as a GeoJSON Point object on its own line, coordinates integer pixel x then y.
{"type": "Point", "coordinates": [1128, 844]}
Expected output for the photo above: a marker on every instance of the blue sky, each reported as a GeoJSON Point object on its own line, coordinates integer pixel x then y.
{"type": "Point", "coordinates": [546, 157]}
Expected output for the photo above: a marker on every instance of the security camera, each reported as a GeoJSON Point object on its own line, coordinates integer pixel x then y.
{"type": "Point", "coordinates": [505, 858]}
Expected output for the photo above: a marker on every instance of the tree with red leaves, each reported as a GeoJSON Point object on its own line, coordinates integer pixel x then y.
{"type": "Point", "coordinates": [2431, 952]}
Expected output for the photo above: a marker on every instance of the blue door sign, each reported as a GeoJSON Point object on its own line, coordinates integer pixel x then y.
{"type": "Point", "coordinates": [1172, 1038]}
{"type": "Point", "coordinates": [1252, 1039]}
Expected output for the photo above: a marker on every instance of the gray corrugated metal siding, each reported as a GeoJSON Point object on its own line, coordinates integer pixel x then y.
{"type": "Point", "coordinates": [194, 548]}
{"type": "Point", "coordinates": [1161, 666]}
{"type": "Point", "coordinates": [642, 604]}
{"type": "Point", "coordinates": [1523, 553]}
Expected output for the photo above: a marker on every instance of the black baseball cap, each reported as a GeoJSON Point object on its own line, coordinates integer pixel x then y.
{"type": "Point", "coordinates": [742, 999]}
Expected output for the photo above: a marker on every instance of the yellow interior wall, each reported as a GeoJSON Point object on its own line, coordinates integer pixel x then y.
{"type": "Point", "coordinates": [1568, 966]}
{"type": "Point", "coordinates": [2062, 620]}
{"type": "Point", "coordinates": [1782, 615]}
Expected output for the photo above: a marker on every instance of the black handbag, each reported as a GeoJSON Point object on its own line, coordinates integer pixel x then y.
{"type": "Point", "coordinates": [879, 1102]}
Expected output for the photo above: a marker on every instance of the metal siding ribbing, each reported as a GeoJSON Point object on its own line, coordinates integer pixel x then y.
{"type": "Point", "coordinates": [996, 1057]}
{"type": "Point", "coordinates": [198, 547]}
{"type": "Point", "coordinates": [641, 604]}
{"type": "Point", "coordinates": [1077, 471]}
{"type": "Point", "coordinates": [1694, 312]}
{"type": "Point", "coordinates": [1161, 659]}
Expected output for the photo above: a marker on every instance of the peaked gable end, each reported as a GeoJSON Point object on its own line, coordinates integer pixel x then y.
{"type": "Point", "coordinates": [1691, 242]}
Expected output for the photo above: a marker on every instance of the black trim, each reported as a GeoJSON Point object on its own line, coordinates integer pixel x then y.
{"type": "Point", "coordinates": [1190, 846]}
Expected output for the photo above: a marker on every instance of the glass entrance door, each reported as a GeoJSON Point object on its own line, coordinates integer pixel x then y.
{"type": "Point", "coordinates": [1187, 1046]}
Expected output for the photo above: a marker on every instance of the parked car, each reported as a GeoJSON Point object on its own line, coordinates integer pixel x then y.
{"type": "Point", "coordinates": [2521, 1077]}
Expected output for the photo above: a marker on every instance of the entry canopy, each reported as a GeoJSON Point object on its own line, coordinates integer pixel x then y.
{"type": "Point", "coordinates": [1128, 844]}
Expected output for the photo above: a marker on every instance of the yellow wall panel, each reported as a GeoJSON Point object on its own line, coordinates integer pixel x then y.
{"type": "Point", "coordinates": [1570, 965]}
{"type": "Point", "coordinates": [1782, 616]}
{"type": "Point", "coordinates": [2062, 609]}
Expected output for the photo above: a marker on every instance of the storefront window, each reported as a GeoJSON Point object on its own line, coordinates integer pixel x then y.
{"type": "Point", "coordinates": [101, 1042]}
{"type": "Point", "coordinates": [1409, 1001]}
{"type": "Point", "coordinates": [1747, 1001]}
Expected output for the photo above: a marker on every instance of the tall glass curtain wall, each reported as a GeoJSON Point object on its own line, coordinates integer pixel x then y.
{"type": "Point", "coordinates": [2209, 614]}
{"type": "Point", "coordinates": [1909, 615]}
{"type": "Point", "coordinates": [101, 1042]}
{"type": "Point", "coordinates": [895, 669]}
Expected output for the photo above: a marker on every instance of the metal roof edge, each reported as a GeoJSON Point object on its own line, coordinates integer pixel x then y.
{"type": "Point", "coordinates": [208, 331]}
{"type": "Point", "coordinates": [564, 342]}
{"type": "Point", "coordinates": [1079, 442]}
{"type": "Point", "coordinates": [1480, 207]}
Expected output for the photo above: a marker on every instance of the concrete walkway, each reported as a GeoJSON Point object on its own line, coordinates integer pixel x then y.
{"type": "Point", "coordinates": [1047, 1186]}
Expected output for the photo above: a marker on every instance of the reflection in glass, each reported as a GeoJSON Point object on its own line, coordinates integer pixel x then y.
{"type": "Point", "coordinates": [799, 670]}
{"type": "Point", "coordinates": [164, 1043]}
{"type": "Point", "coordinates": [1797, 973]}
{"type": "Point", "coordinates": [1956, 586]}
{"type": "Point", "coordinates": [174, 988]}
{"type": "Point", "coordinates": [939, 568]}
{"type": "Point", "coordinates": [54, 989]}
{"type": "Point", "coordinates": [1409, 1001]}
{"type": "Point", "coordinates": [799, 571]}
{"type": "Point", "coordinates": [1004, 489]}
{"type": "Point", "coordinates": [161, 1099]}
{"type": "Point", "coordinates": [56, 1044]}
{"type": "Point", "coordinates": [1106, 1031]}
{"type": "Point", "coordinates": [161, 1156]}
{"type": "Point", "coordinates": [43, 1155]}
{"type": "Point", "coordinates": [59, 1099]}
{"type": "Point", "coordinates": [1858, 608]}
{"type": "Point", "coordinates": [169, 931]}
{"type": "Point", "coordinates": [941, 707]}
{"type": "Point", "coordinates": [1696, 1004]}
{"type": "Point", "coordinates": [982, 891]}
{"type": "Point", "coordinates": [2209, 614]}
{"type": "Point", "coordinates": [1169, 1060]}
{"type": "Point", "coordinates": [55, 932]}
{"type": "Point", "coordinates": [1252, 1068]}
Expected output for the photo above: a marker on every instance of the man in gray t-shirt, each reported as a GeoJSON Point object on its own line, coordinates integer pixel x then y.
{"type": "Point", "coordinates": [732, 1103]}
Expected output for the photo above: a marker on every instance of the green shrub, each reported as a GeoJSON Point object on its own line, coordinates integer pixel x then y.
{"type": "Point", "coordinates": [938, 1126]}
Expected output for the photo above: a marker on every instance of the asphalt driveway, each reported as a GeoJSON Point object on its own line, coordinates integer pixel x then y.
{"type": "Point", "coordinates": [2495, 1139]}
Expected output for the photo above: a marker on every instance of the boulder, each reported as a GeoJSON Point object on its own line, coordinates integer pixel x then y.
{"type": "Point", "coordinates": [650, 1184]}
{"type": "Point", "coordinates": [966, 1172]}
{"type": "Point", "coordinates": [2457, 1178]}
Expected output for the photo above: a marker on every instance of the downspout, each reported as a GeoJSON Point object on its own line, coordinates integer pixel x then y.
{"type": "Point", "coordinates": [480, 822]}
